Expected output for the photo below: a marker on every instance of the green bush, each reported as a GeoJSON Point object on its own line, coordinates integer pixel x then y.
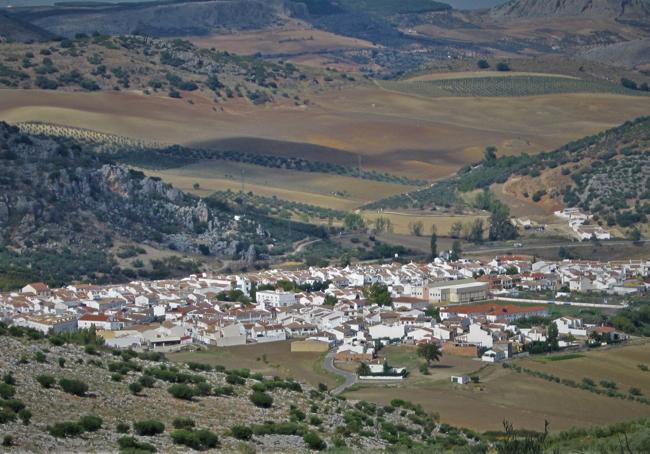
{"type": "Point", "coordinates": [181, 391]}
{"type": "Point", "coordinates": [149, 427]}
{"type": "Point", "coordinates": [122, 428]}
{"type": "Point", "coordinates": [261, 399]}
{"type": "Point", "coordinates": [66, 429]}
{"type": "Point", "coordinates": [241, 432]}
{"type": "Point", "coordinates": [135, 388]}
{"type": "Point", "coordinates": [72, 386]}
{"type": "Point", "coordinates": [7, 391]}
{"type": "Point", "coordinates": [91, 423]}
{"type": "Point", "coordinates": [25, 416]}
{"type": "Point", "coordinates": [196, 439]}
{"type": "Point", "coordinates": [147, 381]}
{"type": "Point", "coordinates": [134, 446]}
{"type": "Point", "coordinates": [183, 423]}
{"type": "Point", "coordinates": [314, 442]}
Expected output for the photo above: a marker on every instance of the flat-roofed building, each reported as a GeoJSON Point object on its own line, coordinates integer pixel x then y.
{"type": "Point", "coordinates": [48, 323]}
{"type": "Point", "coordinates": [461, 291]}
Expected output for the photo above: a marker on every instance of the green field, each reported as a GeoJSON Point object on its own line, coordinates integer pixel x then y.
{"type": "Point", "coordinates": [503, 86]}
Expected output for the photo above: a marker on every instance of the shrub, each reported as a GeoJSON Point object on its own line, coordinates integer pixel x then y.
{"type": "Point", "coordinates": [130, 443]}
{"type": "Point", "coordinates": [202, 389]}
{"type": "Point", "coordinates": [66, 429]}
{"type": "Point", "coordinates": [314, 442]}
{"type": "Point", "coordinates": [241, 432]}
{"type": "Point", "coordinates": [147, 381]}
{"type": "Point", "coordinates": [91, 349]}
{"type": "Point", "coordinates": [261, 399]}
{"type": "Point", "coordinates": [135, 388]}
{"type": "Point", "coordinates": [195, 439]}
{"type": "Point", "coordinates": [25, 415]}
{"type": "Point", "coordinates": [149, 427]}
{"type": "Point", "coordinates": [6, 415]}
{"type": "Point", "coordinates": [75, 387]}
{"type": "Point", "coordinates": [9, 378]}
{"type": "Point", "coordinates": [7, 391]}
{"type": "Point", "coordinates": [7, 440]}
{"type": "Point", "coordinates": [122, 428]}
{"type": "Point", "coordinates": [91, 423]}
{"type": "Point", "coordinates": [635, 391]}
{"type": "Point", "coordinates": [183, 423]}
{"type": "Point", "coordinates": [224, 390]}
{"type": "Point", "coordinates": [61, 362]}
{"type": "Point", "coordinates": [181, 391]}
{"type": "Point", "coordinates": [232, 379]}
{"type": "Point", "coordinates": [40, 357]}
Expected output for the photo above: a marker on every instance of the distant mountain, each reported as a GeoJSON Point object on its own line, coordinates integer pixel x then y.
{"type": "Point", "coordinates": [607, 9]}
{"type": "Point", "coordinates": [14, 29]}
{"type": "Point", "coordinates": [177, 18]}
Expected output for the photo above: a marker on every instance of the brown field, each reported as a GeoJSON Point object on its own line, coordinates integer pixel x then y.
{"type": "Point", "coordinates": [392, 132]}
{"type": "Point", "coordinates": [306, 187]}
{"type": "Point", "coordinates": [305, 367]}
{"type": "Point", "coordinates": [293, 38]}
{"type": "Point", "coordinates": [503, 394]}
{"type": "Point", "coordinates": [401, 221]}
{"type": "Point", "coordinates": [618, 364]}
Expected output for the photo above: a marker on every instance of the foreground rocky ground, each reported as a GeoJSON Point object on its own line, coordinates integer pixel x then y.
{"type": "Point", "coordinates": [109, 374]}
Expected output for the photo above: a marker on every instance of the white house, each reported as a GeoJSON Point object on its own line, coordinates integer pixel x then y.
{"type": "Point", "coordinates": [275, 298]}
{"type": "Point", "coordinates": [99, 321]}
{"type": "Point", "coordinates": [478, 336]}
{"type": "Point", "coordinates": [492, 356]}
{"type": "Point", "coordinates": [570, 325]}
{"type": "Point", "coordinates": [460, 379]}
{"type": "Point", "coordinates": [48, 323]}
{"type": "Point", "coordinates": [385, 331]}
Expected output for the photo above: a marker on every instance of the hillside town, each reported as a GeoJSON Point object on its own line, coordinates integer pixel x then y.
{"type": "Point", "coordinates": [464, 307]}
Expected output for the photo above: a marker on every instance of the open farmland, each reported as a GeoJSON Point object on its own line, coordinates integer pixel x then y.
{"type": "Point", "coordinates": [504, 86]}
{"type": "Point", "coordinates": [392, 132]}
{"type": "Point", "coordinates": [617, 364]}
{"type": "Point", "coordinates": [402, 220]}
{"type": "Point", "coordinates": [292, 38]}
{"type": "Point", "coordinates": [273, 358]}
{"type": "Point", "coordinates": [502, 394]}
{"type": "Point", "coordinates": [321, 189]}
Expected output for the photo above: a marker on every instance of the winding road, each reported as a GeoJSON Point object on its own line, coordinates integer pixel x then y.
{"type": "Point", "coordinates": [350, 378]}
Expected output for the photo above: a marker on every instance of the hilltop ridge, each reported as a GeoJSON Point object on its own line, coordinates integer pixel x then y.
{"type": "Point", "coordinates": [606, 9]}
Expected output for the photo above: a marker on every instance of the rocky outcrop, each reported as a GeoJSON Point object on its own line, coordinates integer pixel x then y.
{"type": "Point", "coordinates": [57, 194]}
{"type": "Point", "coordinates": [605, 9]}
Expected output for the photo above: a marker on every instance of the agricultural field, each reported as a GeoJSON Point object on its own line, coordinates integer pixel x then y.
{"type": "Point", "coordinates": [392, 132]}
{"type": "Point", "coordinates": [503, 86]}
{"type": "Point", "coordinates": [313, 188]}
{"type": "Point", "coordinates": [501, 394]}
{"type": "Point", "coordinates": [619, 365]}
{"type": "Point", "coordinates": [294, 37]}
{"type": "Point", "coordinates": [273, 358]}
{"type": "Point", "coordinates": [402, 221]}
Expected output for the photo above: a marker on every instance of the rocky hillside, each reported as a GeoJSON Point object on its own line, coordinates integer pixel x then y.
{"type": "Point", "coordinates": [177, 18]}
{"type": "Point", "coordinates": [172, 68]}
{"type": "Point", "coordinates": [14, 29]}
{"type": "Point", "coordinates": [56, 196]}
{"type": "Point", "coordinates": [606, 9]}
{"type": "Point", "coordinates": [193, 405]}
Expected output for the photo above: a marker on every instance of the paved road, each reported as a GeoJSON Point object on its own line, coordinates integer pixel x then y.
{"type": "Point", "coordinates": [350, 378]}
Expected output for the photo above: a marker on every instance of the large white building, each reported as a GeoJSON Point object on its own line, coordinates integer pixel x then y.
{"type": "Point", "coordinates": [275, 298]}
{"type": "Point", "coordinates": [465, 291]}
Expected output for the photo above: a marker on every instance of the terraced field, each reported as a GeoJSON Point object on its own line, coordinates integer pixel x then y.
{"type": "Point", "coordinates": [503, 86]}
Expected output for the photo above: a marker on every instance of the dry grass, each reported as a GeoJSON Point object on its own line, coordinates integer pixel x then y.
{"type": "Point", "coordinates": [479, 74]}
{"type": "Point", "coordinates": [274, 358]}
{"type": "Point", "coordinates": [401, 221]}
{"type": "Point", "coordinates": [306, 187]}
{"type": "Point", "coordinates": [503, 394]}
{"type": "Point", "coordinates": [294, 37]}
